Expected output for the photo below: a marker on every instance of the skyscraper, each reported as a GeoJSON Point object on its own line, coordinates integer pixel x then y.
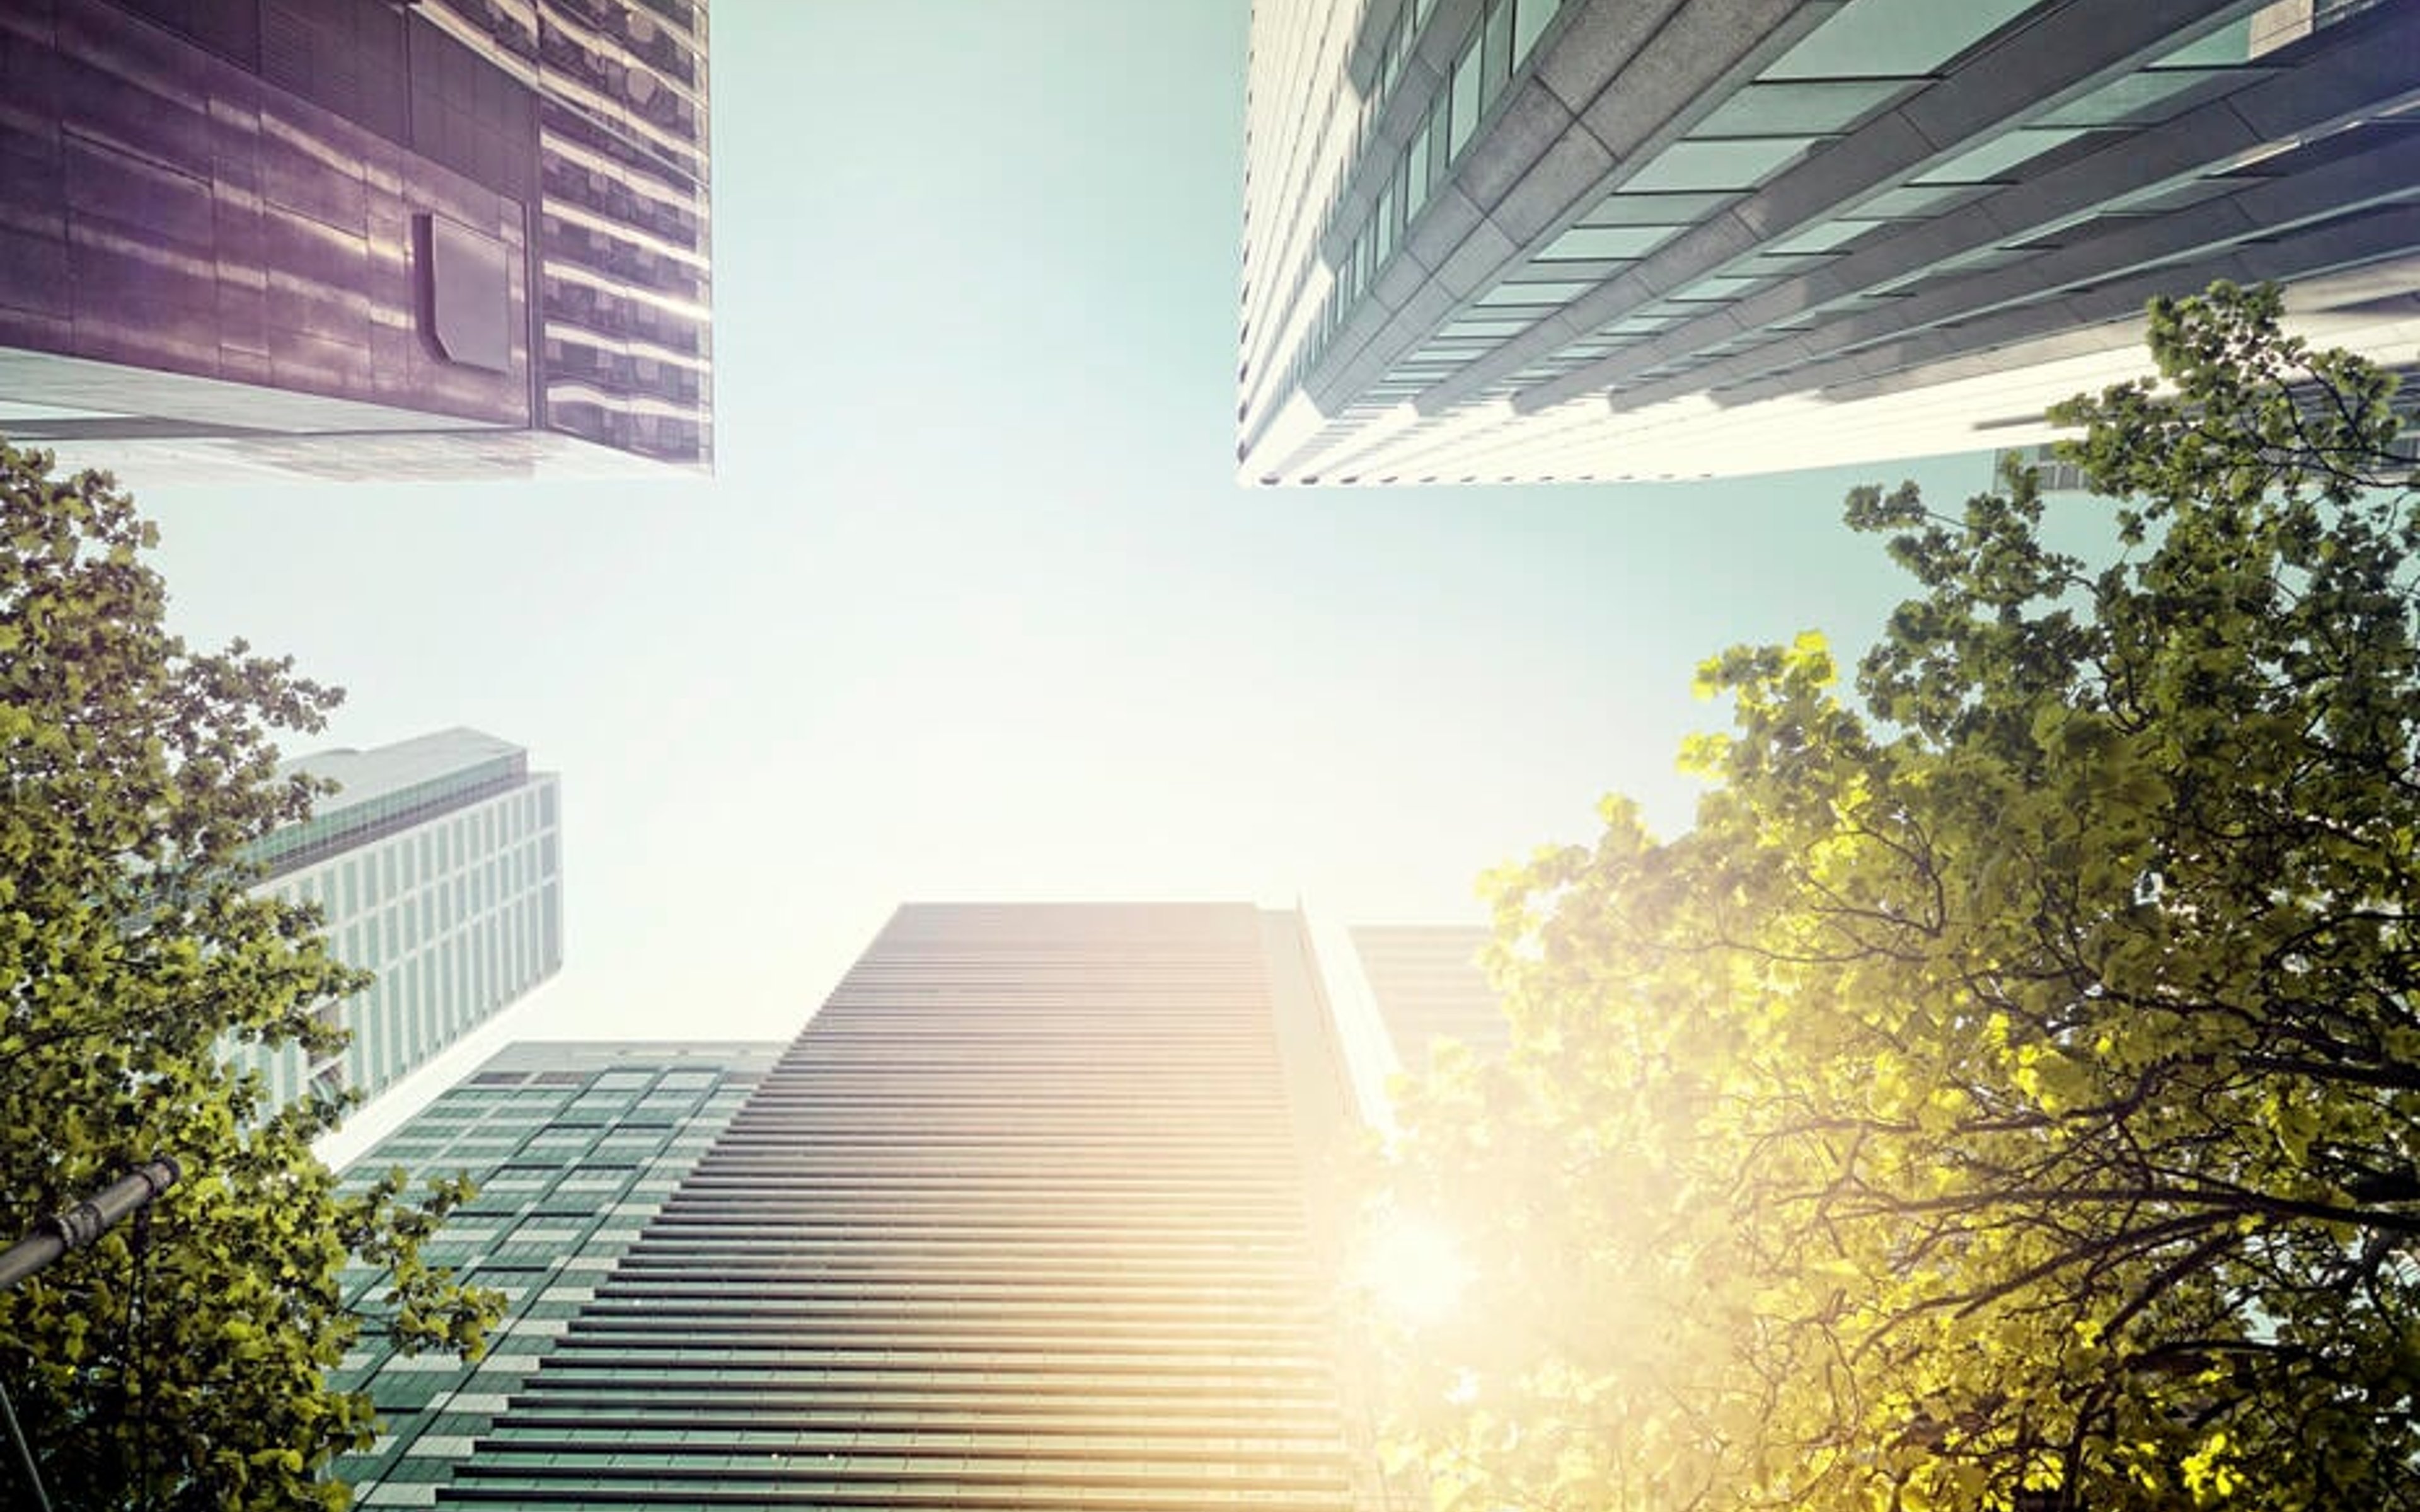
{"type": "Point", "coordinates": [1425, 981]}
{"type": "Point", "coordinates": [355, 239]}
{"type": "Point", "coordinates": [438, 865]}
{"type": "Point", "coordinates": [1020, 1219]}
{"type": "Point", "coordinates": [574, 1146]}
{"type": "Point", "coordinates": [1600, 239]}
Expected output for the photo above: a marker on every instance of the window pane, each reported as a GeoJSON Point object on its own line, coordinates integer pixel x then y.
{"type": "Point", "coordinates": [1866, 39]}
{"type": "Point", "coordinates": [1466, 94]}
{"type": "Point", "coordinates": [1606, 241]}
{"type": "Point", "coordinates": [1529, 18]}
{"type": "Point", "coordinates": [2137, 99]}
{"type": "Point", "coordinates": [1915, 200]}
{"type": "Point", "coordinates": [1542, 293]}
{"type": "Point", "coordinates": [1496, 67]}
{"type": "Point", "coordinates": [1794, 108]}
{"type": "Point", "coordinates": [1628, 208]}
{"type": "Point", "coordinates": [1997, 158]}
{"type": "Point", "coordinates": [1727, 164]}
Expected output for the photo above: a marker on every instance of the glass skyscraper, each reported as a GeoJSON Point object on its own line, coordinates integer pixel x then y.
{"type": "Point", "coordinates": [1021, 1219]}
{"type": "Point", "coordinates": [438, 865]}
{"type": "Point", "coordinates": [1537, 239]}
{"type": "Point", "coordinates": [574, 1146]}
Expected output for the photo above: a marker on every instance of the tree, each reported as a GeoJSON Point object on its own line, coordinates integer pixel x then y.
{"type": "Point", "coordinates": [186, 1371]}
{"type": "Point", "coordinates": [2008, 1094]}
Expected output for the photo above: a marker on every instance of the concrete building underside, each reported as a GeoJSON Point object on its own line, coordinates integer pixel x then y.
{"type": "Point", "coordinates": [1570, 240]}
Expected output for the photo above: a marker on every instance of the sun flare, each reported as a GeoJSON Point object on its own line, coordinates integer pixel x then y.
{"type": "Point", "coordinates": [1412, 1268]}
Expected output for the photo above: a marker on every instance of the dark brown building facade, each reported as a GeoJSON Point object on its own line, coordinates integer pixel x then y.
{"type": "Point", "coordinates": [354, 238]}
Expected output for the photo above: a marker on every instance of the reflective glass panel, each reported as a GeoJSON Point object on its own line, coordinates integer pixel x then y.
{"type": "Point", "coordinates": [1629, 209]}
{"type": "Point", "coordinates": [1562, 292]}
{"type": "Point", "coordinates": [2139, 98]}
{"type": "Point", "coordinates": [1914, 200]}
{"type": "Point", "coordinates": [1739, 163]}
{"type": "Point", "coordinates": [1605, 242]}
{"type": "Point", "coordinates": [1794, 106]}
{"type": "Point", "coordinates": [1866, 39]}
{"type": "Point", "coordinates": [1996, 159]}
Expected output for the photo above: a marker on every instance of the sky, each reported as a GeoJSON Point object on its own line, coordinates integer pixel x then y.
{"type": "Point", "coordinates": [973, 606]}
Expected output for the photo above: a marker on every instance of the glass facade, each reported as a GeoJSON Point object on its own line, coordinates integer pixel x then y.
{"type": "Point", "coordinates": [1019, 1220]}
{"type": "Point", "coordinates": [438, 866]}
{"type": "Point", "coordinates": [1589, 240]}
{"type": "Point", "coordinates": [574, 1148]}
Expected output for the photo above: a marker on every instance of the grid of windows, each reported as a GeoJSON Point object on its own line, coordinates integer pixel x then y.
{"type": "Point", "coordinates": [447, 888]}
{"type": "Point", "coordinates": [565, 1173]}
{"type": "Point", "coordinates": [1499, 40]}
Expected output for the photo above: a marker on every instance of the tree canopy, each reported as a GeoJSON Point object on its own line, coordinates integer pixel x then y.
{"type": "Point", "coordinates": [179, 1362]}
{"type": "Point", "coordinates": [2007, 1095]}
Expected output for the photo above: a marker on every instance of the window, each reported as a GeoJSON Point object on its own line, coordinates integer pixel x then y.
{"type": "Point", "coordinates": [1464, 95]}
{"type": "Point", "coordinates": [1792, 107]}
{"type": "Point", "coordinates": [1530, 19]}
{"type": "Point", "coordinates": [1894, 37]}
{"type": "Point", "coordinates": [1735, 163]}
{"type": "Point", "coordinates": [1496, 58]}
{"type": "Point", "coordinates": [1543, 292]}
{"type": "Point", "coordinates": [1995, 159]}
{"type": "Point", "coordinates": [1604, 241]}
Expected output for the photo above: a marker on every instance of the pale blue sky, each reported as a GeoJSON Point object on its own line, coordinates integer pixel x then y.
{"type": "Point", "coordinates": [973, 607]}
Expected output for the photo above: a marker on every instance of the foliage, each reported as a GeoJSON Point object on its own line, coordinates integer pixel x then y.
{"type": "Point", "coordinates": [2007, 1095]}
{"type": "Point", "coordinates": [187, 1372]}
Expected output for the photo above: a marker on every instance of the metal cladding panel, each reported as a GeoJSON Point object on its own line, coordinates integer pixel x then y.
{"type": "Point", "coordinates": [1019, 1221]}
{"type": "Point", "coordinates": [184, 213]}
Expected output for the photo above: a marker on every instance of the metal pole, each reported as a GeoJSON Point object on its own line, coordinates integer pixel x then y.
{"type": "Point", "coordinates": [86, 1221]}
{"type": "Point", "coordinates": [61, 1234]}
{"type": "Point", "coordinates": [25, 1451]}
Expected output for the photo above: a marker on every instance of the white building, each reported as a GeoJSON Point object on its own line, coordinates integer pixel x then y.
{"type": "Point", "coordinates": [1537, 239]}
{"type": "Point", "coordinates": [438, 865]}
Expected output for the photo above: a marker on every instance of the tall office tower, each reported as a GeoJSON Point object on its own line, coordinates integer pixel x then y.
{"type": "Point", "coordinates": [1517, 239]}
{"type": "Point", "coordinates": [438, 865]}
{"type": "Point", "coordinates": [1426, 983]}
{"type": "Point", "coordinates": [356, 239]}
{"type": "Point", "coordinates": [574, 1146]}
{"type": "Point", "coordinates": [1019, 1221]}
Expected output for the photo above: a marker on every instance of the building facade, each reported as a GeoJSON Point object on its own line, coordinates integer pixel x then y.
{"type": "Point", "coordinates": [1570, 240]}
{"type": "Point", "coordinates": [574, 1146]}
{"type": "Point", "coordinates": [354, 238]}
{"type": "Point", "coordinates": [1426, 983]}
{"type": "Point", "coordinates": [437, 865]}
{"type": "Point", "coordinates": [1019, 1220]}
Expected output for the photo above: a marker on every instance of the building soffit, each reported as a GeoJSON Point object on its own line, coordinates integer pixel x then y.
{"type": "Point", "coordinates": [1996, 87]}
{"type": "Point", "coordinates": [1887, 368]}
{"type": "Point", "coordinates": [2262, 206]}
{"type": "Point", "coordinates": [2353, 73]}
{"type": "Point", "coordinates": [1668, 65]}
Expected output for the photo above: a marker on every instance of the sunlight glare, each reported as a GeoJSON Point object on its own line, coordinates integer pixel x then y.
{"type": "Point", "coordinates": [1412, 1268]}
